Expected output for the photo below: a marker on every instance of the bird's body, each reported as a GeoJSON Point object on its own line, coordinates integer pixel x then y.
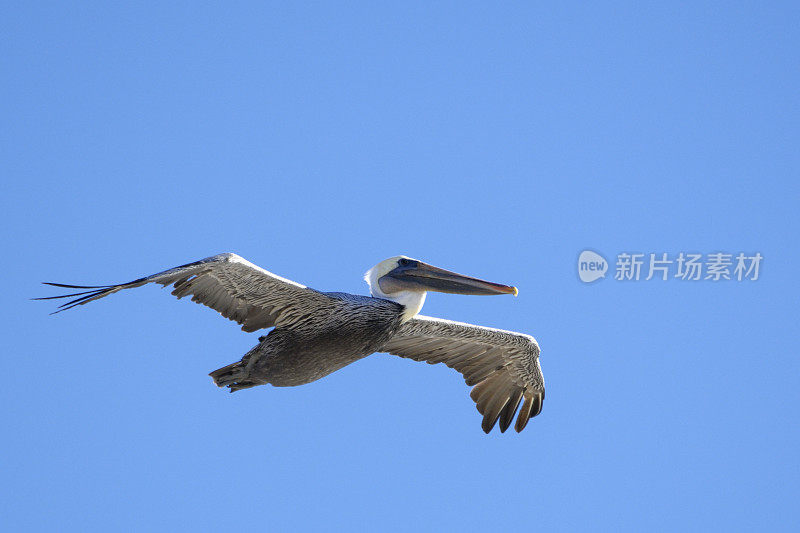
{"type": "Point", "coordinates": [327, 339]}
{"type": "Point", "coordinates": [315, 333]}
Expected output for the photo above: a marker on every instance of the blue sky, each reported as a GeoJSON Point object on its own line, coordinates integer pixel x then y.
{"type": "Point", "coordinates": [318, 140]}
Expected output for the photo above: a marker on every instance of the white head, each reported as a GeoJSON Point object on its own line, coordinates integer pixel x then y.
{"type": "Point", "coordinates": [406, 281]}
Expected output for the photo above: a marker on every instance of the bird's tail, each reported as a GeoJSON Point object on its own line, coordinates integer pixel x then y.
{"type": "Point", "coordinates": [234, 376]}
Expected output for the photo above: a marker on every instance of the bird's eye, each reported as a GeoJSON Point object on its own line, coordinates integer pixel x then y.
{"type": "Point", "coordinates": [404, 262]}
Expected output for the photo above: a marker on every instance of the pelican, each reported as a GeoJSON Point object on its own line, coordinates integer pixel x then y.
{"type": "Point", "coordinates": [315, 333]}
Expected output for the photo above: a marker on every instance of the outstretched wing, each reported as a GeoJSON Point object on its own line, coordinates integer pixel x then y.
{"type": "Point", "coordinates": [502, 365]}
{"type": "Point", "coordinates": [227, 283]}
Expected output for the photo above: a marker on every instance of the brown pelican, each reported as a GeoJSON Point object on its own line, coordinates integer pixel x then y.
{"type": "Point", "coordinates": [315, 333]}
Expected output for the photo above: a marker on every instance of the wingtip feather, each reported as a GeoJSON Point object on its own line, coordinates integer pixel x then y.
{"type": "Point", "coordinates": [64, 285]}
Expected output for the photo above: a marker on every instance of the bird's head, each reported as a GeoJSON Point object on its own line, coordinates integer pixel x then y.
{"type": "Point", "coordinates": [407, 281]}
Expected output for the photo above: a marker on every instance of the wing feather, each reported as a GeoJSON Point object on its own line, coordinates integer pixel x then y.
{"type": "Point", "coordinates": [229, 284]}
{"type": "Point", "coordinates": [501, 366]}
{"type": "Point", "coordinates": [507, 415]}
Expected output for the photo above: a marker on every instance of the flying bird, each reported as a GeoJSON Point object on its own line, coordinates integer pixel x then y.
{"type": "Point", "coordinates": [315, 333]}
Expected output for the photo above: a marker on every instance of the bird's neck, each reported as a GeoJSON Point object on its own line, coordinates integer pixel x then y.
{"type": "Point", "coordinates": [412, 302]}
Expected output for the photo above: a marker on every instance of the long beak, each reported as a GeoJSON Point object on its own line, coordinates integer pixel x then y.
{"type": "Point", "coordinates": [430, 278]}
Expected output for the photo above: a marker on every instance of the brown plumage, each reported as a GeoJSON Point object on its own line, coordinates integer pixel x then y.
{"type": "Point", "coordinates": [316, 333]}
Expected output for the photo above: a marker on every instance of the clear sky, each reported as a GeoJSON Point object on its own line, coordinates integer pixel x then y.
{"type": "Point", "coordinates": [318, 140]}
